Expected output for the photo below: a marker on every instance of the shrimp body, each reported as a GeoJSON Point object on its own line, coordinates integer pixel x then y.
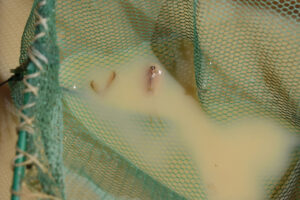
{"type": "Point", "coordinates": [97, 89]}
{"type": "Point", "coordinates": [152, 77]}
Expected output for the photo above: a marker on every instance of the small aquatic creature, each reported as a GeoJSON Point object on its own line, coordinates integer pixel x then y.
{"type": "Point", "coordinates": [152, 75]}
{"type": "Point", "coordinates": [99, 90]}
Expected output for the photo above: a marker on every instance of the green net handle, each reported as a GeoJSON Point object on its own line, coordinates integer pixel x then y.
{"type": "Point", "coordinates": [19, 169]}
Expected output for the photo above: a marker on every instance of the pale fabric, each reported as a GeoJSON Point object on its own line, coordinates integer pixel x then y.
{"type": "Point", "coordinates": [13, 16]}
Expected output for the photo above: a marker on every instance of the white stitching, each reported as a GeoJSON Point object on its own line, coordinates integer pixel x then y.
{"type": "Point", "coordinates": [35, 56]}
{"type": "Point", "coordinates": [42, 21]}
{"type": "Point", "coordinates": [39, 35]}
{"type": "Point", "coordinates": [35, 61]}
{"type": "Point", "coordinates": [31, 159]}
{"type": "Point", "coordinates": [26, 123]}
{"type": "Point", "coordinates": [39, 55]}
{"type": "Point", "coordinates": [42, 3]}
{"type": "Point", "coordinates": [30, 88]}
{"type": "Point", "coordinates": [15, 158]}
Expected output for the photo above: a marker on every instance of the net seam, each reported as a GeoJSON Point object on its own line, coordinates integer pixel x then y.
{"type": "Point", "coordinates": [31, 160]}
{"type": "Point", "coordinates": [26, 123]}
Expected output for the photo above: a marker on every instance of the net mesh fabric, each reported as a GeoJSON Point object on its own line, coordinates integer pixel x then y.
{"type": "Point", "coordinates": [245, 62]}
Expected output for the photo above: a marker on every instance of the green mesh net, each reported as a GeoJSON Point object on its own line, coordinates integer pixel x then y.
{"type": "Point", "coordinates": [236, 58]}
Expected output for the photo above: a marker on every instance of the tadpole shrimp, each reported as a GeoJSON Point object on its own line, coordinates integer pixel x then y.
{"type": "Point", "coordinates": [152, 77]}
{"type": "Point", "coordinates": [110, 80]}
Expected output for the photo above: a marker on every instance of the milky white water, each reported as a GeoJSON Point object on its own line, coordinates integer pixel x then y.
{"type": "Point", "coordinates": [232, 162]}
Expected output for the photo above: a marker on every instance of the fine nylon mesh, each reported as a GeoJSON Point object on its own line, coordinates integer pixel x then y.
{"type": "Point", "coordinates": [245, 62]}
